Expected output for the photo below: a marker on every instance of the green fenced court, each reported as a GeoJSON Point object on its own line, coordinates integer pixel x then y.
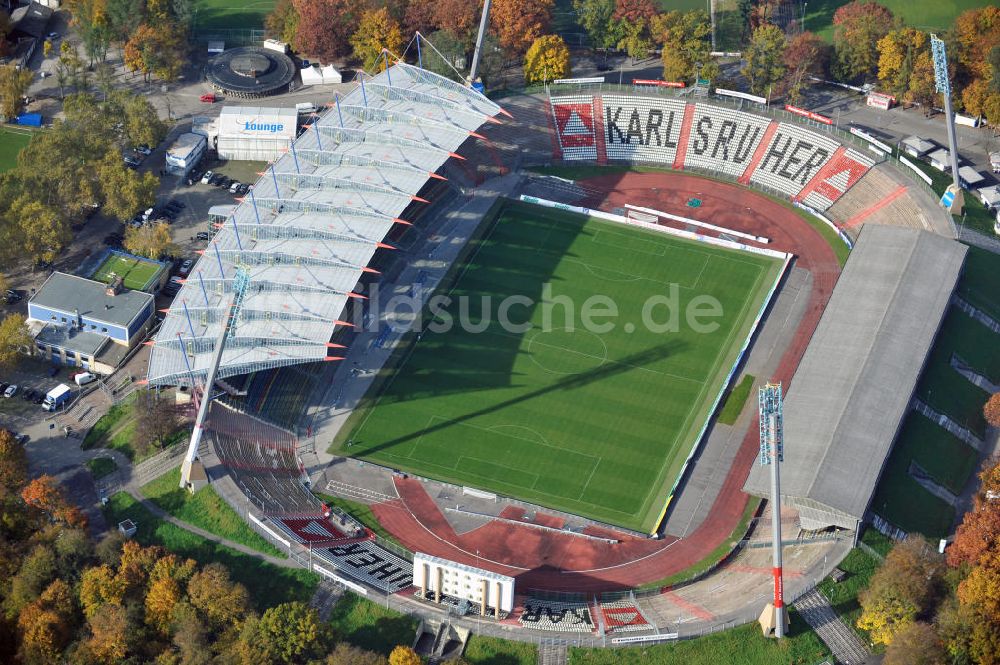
{"type": "Point", "coordinates": [12, 141]}
{"type": "Point", "coordinates": [138, 273]}
{"type": "Point", "coordinates": [231, 14]}
{"type": "Point", "coordinates": [596, 420]}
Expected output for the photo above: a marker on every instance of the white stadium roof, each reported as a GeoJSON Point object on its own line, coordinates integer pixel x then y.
{"type": "Point", "coordinates": [319, 219]}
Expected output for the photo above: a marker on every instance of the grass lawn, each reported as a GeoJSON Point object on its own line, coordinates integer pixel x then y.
{"type": "Point", "coordinates": [361, 513]}
{"type": "Point", "coordinates": [592, 419]}
{"type": "Point", "coordinates": [11, 143]}
{"type": "Point", "coordinates": [947, 391]}
{"type": "Point", "coordinates": [946, 458]}
{"type": "Point", "coordinates": [744, 645]}
{"type": "Point", "coordinates": [204, 509]}
{"type": "Point", "coordinates": [843, 596]}
{"type": "Point", "coordinates": [973, 342]}
{"type": "Point", "coordinates": [735, 400]}
{"type": "Point", "coordinates": [234, 14]}
{"type": "Point", "coordinates": [371, 626]}
{"type": "Point", "coordinates": [269, 585]}
{"type": "Point", "coordinates": [116, 429]}
{"type": "Point", "coordinates": [136, 272]}
{"type": "Point", "coordinates": [905, 503]}
{"type": "Point", "coordinates": [978, 280]}
{"type": "Point", "coordinates": [923, 14]}
{"type": "Point", "coordinates": [483, 650]}
{"type": "Point", "coordinates": [101, 466]}
{"type": "Point", "coordinates": [974, 216]}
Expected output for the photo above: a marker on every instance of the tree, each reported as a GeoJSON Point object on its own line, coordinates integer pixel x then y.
{"type": "Point", "coordinates": [597, 19]}
{"type": "Point", "coordinates": [126, 191]}
{"type": "Point", "coordinates": [404, 655]}
{"type": "Point", "coordinates": [977, 33]}
{"type": "Point", "coordinates": [283, 21]}
{"type": "Point", "coordinates": [156, 417]}
{"type": "Point", "coordinates": [41, 232]}
{"type": "Point", "coordinates": [161, 599]}
{"type": "Point", "coordinates": [111, 634]}
{"type": "Point", "coordinates": [916, 644]}
{"type": "Point", "coordinates": [980, 594]}
{"type": "Point", "coordinates": [806, 55]}
{"type": "Point", "coordinates": [686, 40]}
{"type": "Point", "coordinates": [991, 410]}
{"type": "Point", "coordinates": [151, 241]}
{"type": "Point", "coordinates": [518, 23]}
{"type": "Point", "coordinates": [451, 48]}
{"type": "Point", "coordinates": [457, 17]}
{"type": "Point", "coordinates": [546, 60]}
{"type": "Point", "coordinates": [14, 84]}
{"type": "Point", "coordinates": [978, 536]}
{"type": "Point", "coordinates": [44, 494]}
{"type": "Point", "coordinates": [348, 654]}
{"type": "Point", "coordinates": [901, 589]}
{"type": "Point", "coordinates": [13, 465]}
{"type": "Point", "coordinates": [765, 63]}
{"type": "Point", "coordinates": [36, 572]}
{"type": "Point", "coordinates": [325, 27]}
{"type": "Point", "coordinates": [376, 31]}
{"type": "Point", "coordinates": [897, 53]}
{"type": "Point", "coordinates": [419, 17]}
{"type": "Point", "coordinates": [287, 633]}
{"type": "Point", "coordinates": [633, 11]}
{"type": "Point", "coordinates": [222, 601]}
{"type": "Point", "coordinates": [858, 26]}
{"type": "Point", "coordinates": [47, 624]}
{"type": "Point", "coordinates": [100, 586]}
{"type": "Point", "coordinates": [14, 338]}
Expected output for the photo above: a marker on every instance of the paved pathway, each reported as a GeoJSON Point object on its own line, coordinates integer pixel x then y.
{"type": "Point", "coordinates": [847, 648]}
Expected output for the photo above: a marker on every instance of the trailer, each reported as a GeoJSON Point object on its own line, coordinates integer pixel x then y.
{"type": "Point", "coordinates": [57, 397]}
{"type": "Point", "coordinates": [185, 153]}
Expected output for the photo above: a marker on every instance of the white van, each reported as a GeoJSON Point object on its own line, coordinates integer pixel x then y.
{"type": "Point", "coordinates": [305, 107]}
{"type": "Point", "coordinates": [84, 378]}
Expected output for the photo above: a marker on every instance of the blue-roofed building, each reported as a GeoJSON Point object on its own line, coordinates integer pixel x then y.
{"type": "Point", "coordinates": [83, 323]}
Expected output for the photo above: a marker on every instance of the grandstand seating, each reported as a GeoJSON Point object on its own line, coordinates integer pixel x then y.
{"type": "Point", "coordinates": [551, 615]}
{"type": "Point", "coordinates": [794, 156]}
{"type": "Point", "coordinates": [575, 126]}
{"type": "Point", "coordinates": [371, 564]}
{"type": "Point", "coordinates": [723, 139]}
{"type": "Point", "coordinates": [642, 129]}
{"type": "Point", "coordinates": [622, 616]}
{"type": "Point", "coordinates": [869, 191]}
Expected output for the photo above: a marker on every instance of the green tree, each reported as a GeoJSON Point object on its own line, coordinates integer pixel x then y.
{"type": "Point", "coordinates": [220, 600]}
{"type": "Point", "coordinates": [37, 571]}
{"type": "Point", "coordinates": [597, 19]}
{"type": "Point", "coordinates": [288, 633]}
{"type": "Point", "coordinates": [14, 338]}
{"type": "Point", "coordinates": [546, 60]}
{"type": "Point", "coordinates": [41, 233]}
{"type": "Point", "coordinates": [283, 21]}
{"type": "Point", "coordinates": [858, 27]}
{"type": "Point", "coordinates": [13, 85]}
{"type": "Point", "coordinates": [916, 644]}
{"type": "Point", "coordinates": [447, 56]}
{"type": "Point", "coordinates": [125, 192]}
{"type": "Point", "coordinates": [765, 62]}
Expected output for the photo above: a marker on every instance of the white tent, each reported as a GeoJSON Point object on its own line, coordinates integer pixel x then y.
{"type": "Point", "coordinates": [331, 75]}
{"type": "Point", "coordinates": [311, 75]}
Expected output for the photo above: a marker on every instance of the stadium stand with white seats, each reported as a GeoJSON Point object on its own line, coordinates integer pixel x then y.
{"type": "Point", "coordinates": [840, 174]}
{"type": "Point", "coordinates": [723, 140]}
{"type": "Point", "coordinates": [623, 616]}
{"type": "Point", "coordinates": [552, 615]}
{"type": "Point", "coordinates": [371, 564]}
{"type": "Point", "coordinates": [872, 190]}
{"type": "Point", "coordinates": [642, 129]}
{"type": "Point", "coordinates": [575, 126]}
{"type": "Point", "coordinates": [794, 156]}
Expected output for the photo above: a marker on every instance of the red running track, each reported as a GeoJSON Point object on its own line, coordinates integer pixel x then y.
{"type": "Point", "coordinates": [546, 559]}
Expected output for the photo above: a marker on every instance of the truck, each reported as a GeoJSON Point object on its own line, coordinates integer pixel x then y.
{"type": "Point", "coordinates": [185, 153]}
{"type": "Point", "coordinates": [57, 397]}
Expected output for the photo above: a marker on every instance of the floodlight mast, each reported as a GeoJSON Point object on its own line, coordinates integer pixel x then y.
{"type": "Point", "coordinates": [484, 23]}
{"type": "Point", "coordinates": [774, 619]}
{"type": "Point", "coordinates": [943, 85]}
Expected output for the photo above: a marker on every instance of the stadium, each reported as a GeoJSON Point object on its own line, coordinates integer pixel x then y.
{"type": "Point", "coordinates": [554, 479]}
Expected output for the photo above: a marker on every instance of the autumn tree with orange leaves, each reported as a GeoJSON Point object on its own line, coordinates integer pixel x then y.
{"type": "Point", "coordinates": [44, 494]}
{"type": "Point", "coordinates": [518, 23]}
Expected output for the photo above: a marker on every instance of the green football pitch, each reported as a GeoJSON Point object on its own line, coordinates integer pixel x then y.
{"type": "Point", "coordinates": [136, 273]}
{"type": "Point", "coordinates": [593, 422]}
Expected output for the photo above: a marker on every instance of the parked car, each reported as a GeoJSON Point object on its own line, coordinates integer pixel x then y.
{"type": "Point", "coordinates": [131, 162]}
{"type": "Point", "coordinates": [234, 187]}
{"type": "Point", "coordinates": [207, 177]}
{"type": "Point", "coordinates": [27, 394]}
{"type": "Point", "coordinates": [11, 391]}
{"type": "Point", "coordinates": [224, 182]}
{"type": "Point", "coordinates": [52, 36]}
{"type": "Point", "coordinates": [185, 267]}
{"type": "Point", "coordinates": [3, 386]}
{"type": "Point", "coordinates": [83, 378]}
{"type": "Point", "coordinates": [202, 235]}
{"type": "Point", "coordinates": [209, 98]}
{"type": "Point", "coordinates": [12, 297]}
{"type": "Point", "coordinates": [143, 150]}
{"type": "Point", "coordinates": [216, 179]}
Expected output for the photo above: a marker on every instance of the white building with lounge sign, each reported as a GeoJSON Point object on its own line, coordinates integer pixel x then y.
{"type": "Point", "coordinates": [255, 133]}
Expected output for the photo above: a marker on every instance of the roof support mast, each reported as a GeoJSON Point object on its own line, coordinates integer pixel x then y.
{"type": "Point", "coordinates": [774, 619]}
{"type": "Point", "coordinates": [484, 23]}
